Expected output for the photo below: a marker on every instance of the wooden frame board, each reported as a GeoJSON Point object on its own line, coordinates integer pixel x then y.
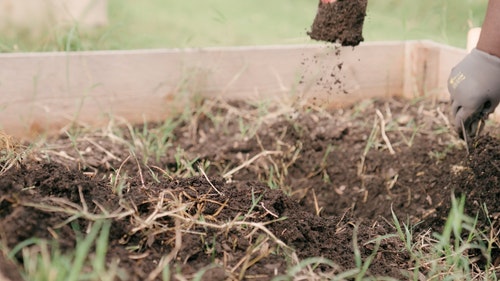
{"type": "Point", "coordinates": [44, 92]}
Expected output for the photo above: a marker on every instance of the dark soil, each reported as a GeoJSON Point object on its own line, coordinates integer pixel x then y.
{"type": "Point", "coordinates": [339, 22]}
{"type": "Point", "coordinates": [328, 188]}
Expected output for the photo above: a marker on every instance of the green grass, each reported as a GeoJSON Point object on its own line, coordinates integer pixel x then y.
{"type": "Point", "coordinates": [43, 260]}
{"type": "Point", "coordinates": [432, 256]}
{"type": "Point", "coordinates": [179, 24]}
{"type": "Point", "coordinates": [174, 23]}
{"type": "Point", "coordinates": [447, 255]}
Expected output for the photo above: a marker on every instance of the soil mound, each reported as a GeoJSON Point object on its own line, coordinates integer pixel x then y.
{"type": "Point", "coordinates": [250, 200]}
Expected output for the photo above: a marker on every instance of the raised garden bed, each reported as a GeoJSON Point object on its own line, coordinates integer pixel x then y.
{"type": "Point", "coordinates": [308, 187]}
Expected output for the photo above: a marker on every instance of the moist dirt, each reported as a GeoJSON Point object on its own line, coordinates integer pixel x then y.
{"type": "Point", "coordinates": [339, 22]}
{"type": "Point", "coordinates": [320, 181]}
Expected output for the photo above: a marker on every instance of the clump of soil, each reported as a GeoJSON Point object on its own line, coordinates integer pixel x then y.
{"type": "Point", "coordinates": [478, 179]}
{"type": "Point", "coordinates": [246, 192]}
{"type": "Point", "coordinates": [339, 22]}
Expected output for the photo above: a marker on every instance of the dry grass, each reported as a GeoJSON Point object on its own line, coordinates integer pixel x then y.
{"type": "Point", "coordinates": [11, 152]}
{"type": "Point", "coordinates": [175, 215]}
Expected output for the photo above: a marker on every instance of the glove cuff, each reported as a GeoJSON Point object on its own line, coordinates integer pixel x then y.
{"type": "Point", "coordinates": [486, 58]}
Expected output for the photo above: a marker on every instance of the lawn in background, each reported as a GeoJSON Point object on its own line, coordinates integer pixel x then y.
{"type": "Point", "coordinates": [179, 24]}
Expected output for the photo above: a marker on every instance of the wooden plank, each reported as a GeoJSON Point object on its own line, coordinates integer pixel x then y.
{"type": "Point", "coordinates": [446, 57]}
{"type": "Point", "coordinates": [473, 38]}
{"type": "Point", "coordinates": [428, 65]}
{"type": "Point", "coordinates": [43, 92]}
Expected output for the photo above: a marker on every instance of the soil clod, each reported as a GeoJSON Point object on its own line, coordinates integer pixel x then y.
{"type": "Point", "coordinates": [340, 22]}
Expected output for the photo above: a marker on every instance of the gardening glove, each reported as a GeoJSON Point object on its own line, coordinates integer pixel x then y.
{"type": "Point", "coordinates": [474, 86]}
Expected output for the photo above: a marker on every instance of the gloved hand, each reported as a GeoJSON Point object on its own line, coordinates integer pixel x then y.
{"type": "Point", "coordinates": [474, 86]}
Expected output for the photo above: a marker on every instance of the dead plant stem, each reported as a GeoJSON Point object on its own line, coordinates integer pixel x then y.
{"type": "Point", "coordinates": [382, 131]}
{"type": "Point", "coordinates": [208, 180]}
{"type": "Point", "coordinates": [247, 163]}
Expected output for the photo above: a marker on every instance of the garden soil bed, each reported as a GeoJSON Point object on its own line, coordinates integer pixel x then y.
{"type": "Point", "coordinates": [240, 188]}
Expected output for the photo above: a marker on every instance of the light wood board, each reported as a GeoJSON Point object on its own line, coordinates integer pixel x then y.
{"type": "Point", "coordinates": [44, 92]}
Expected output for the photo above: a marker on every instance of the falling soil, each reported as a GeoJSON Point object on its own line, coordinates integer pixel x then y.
{"type": "Point", "coordinates": [238, 189]}
{"type": "Point", "coordinates": [339, 22]}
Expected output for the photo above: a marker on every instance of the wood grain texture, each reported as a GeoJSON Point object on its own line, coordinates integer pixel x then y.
{"type": "Point", "coordinates": [44, 92]}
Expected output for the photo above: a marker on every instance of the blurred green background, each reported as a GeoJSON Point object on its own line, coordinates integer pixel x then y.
{"type": "Point", "coordinates": [137, 24]}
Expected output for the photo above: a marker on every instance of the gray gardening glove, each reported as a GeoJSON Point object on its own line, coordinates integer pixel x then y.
{"type": "Point", "coordinates": [474, 86]}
